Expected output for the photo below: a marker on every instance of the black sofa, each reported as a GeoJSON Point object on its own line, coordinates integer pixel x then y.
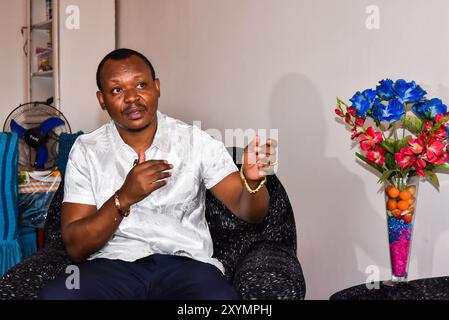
{"type": "Point", "coordinates": [260, 260]}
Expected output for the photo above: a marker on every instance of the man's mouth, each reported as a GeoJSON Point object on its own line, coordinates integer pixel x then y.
{"type": "Point", "coordinates": [135, 113]}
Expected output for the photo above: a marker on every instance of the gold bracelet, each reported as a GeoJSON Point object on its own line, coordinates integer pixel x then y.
{"type": "Point", "coordinates": [123, 213]}
{"type": "Point", "coordinates": [248, 188]}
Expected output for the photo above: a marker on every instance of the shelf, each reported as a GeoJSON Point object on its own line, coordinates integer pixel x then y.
{"type": "Point", "coordinates": [45, 25]}
{"type": "Point", "coordinates": [43, 74]}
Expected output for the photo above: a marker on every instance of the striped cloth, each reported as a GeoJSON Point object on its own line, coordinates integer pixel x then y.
{"type": "Point", "coordinates": [9, 247]}
{"type": "Point", "coordinates": [39, 181]}
{"type": "Point", "coordinates": [36, 191]}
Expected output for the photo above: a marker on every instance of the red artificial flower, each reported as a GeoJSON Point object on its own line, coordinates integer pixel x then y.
{"type": "Point", "coordinates": [440, 134]}
{"type": "Point", "coordinates": [416, 145]}
{"type": "Point", "coordinates": [376, 155]}
{"type": "Point", "coordinates": [369, 139]}
{"type": "Point", "coordinates": [438, 117]}
{"type": "Point", "coordinates": [351, 111]}
{"type": "Point", "coordinates": [434, 152]}
{"type": "Point", "coordinates": [428, 125]}
{"type": "Point", "coordinates": [420, 172]}
{"type": "Point", "coordinates": [423, 135]}
{"type": "Point", "coordinates": [339, 112]}
{"type": "Point", "coordinates": [356, 131]}
{"type": "Point", "coordinates": [420, 164]}
{"type": "Point", "coordinates": [359, 122]}
{"type": "Point", "coordinates": [348, 118]}
{"type": "Point", "coordinates": [404, 158]}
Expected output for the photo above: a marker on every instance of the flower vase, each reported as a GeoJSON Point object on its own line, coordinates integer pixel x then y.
{"type": "Point", "coordinates": [401, 199]}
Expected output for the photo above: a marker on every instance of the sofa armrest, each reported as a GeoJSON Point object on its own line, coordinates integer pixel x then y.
{"type": "Point", "coordinates": [270, 271]}
{"type": "Point", "coordinates": [24, 280]}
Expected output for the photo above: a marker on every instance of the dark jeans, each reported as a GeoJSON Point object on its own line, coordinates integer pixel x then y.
{"type": "Point", "coordinates": [155, 277]}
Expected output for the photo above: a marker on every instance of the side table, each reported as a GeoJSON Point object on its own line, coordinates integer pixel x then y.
{"type": "Point", "coordinates": [422, 289]}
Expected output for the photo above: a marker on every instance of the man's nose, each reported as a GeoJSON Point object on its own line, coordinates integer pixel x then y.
{"type": "Point", "coordinates": [131, 96]}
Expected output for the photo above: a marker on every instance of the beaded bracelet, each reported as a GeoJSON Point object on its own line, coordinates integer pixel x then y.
{"type": "Point", "coordinates": [248, 188]}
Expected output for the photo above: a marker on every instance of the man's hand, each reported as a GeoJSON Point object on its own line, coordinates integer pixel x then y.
{"type": "Point", "coordinates": [143, 179]}
{"type": "Point", "coordinates": [259, 161]}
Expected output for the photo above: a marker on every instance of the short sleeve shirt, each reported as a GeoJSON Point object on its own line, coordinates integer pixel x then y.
{"type": "Point", "coordinates": [171, 220]}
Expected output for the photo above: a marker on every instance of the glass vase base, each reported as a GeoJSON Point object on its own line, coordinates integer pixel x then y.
{"type": "Point", "coordinates": [395, 280]}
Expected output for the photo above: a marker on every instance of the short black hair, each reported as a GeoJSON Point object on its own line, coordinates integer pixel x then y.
{"type": "Point", "coordinates": [121, 54]}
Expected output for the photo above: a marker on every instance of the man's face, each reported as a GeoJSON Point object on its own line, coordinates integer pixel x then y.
{"type": "Point", "coordinates": [130, 95]}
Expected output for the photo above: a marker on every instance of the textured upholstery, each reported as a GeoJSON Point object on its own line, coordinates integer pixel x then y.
{"type": "Point", "coordinates": [260, 260]}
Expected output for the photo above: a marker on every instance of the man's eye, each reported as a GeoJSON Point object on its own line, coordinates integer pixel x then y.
{"type": "Point", "coordinates": [116, 90]}
{"type": "Point", "coordinates": [141, 85]}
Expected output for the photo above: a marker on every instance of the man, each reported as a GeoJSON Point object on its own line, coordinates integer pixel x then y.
{"type": "Point", "coordinates": [134, 196]}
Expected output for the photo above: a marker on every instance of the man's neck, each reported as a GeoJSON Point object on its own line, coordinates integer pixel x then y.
{"type": "Point", "coordinates": [140, 141]}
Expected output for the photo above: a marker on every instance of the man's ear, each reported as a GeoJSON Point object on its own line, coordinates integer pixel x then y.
{"type": "Point", "coordinates": [101, 100]}
{"type": "Point", "coordinates": [157, 82]}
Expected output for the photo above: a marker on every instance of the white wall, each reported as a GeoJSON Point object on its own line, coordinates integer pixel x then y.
{"type": "Point", "coordinates": [280, 64]}
{"type": "Point", "coordinates": [12, 58]}
{"type": "Point", "coordinates": [81, 50]}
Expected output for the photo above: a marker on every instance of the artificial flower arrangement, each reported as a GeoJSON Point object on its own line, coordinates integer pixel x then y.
{"type": "Point", "coordinates": [403, 136]}
{"type": "Point", "coordinates": [401, 132]}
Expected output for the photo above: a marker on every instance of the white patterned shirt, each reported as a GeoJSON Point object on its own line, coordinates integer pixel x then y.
{"type": "Point", "coordinates": [171, 220]}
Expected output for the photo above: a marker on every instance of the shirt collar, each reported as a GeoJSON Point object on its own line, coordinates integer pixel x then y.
{"type": "Point", "coordinates": [160, 139]}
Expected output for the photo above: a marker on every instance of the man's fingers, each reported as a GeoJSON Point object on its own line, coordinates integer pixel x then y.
{"type": "Point", "coordinates": [156, 169]}
{"type": "Point", "coordinates": [257, 140]}
{"type": "Point", "coordinates": [254, 145]}
{"type": "Point", "coordinates": [268, 148]}
{"type": "Point", "coordinates": [151, 163]}
{"type": "Point", "coordinates": [158, 184]}
{"type": "Point", "coordinates": [271, 160]}
{"type": "Point", "coordinates": [266, 152]}
{"type": "Point", "coordinates": [159, 176]}
{"type": "Point", "coordinates": [272, 143]}
{"type": "Point", "coordinates": [256, 152]}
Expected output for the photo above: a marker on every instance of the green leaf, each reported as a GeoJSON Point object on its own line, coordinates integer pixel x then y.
{"type": "Point", "coordinates": [442, 167]}
{"type": "Point", "coordinates": [432, 177]}
{"type": "Point", "coordinates": [375, 166]}
{"type": "Point", "coordinates": [386, 175]}
{"type": "Point", "coordinates": [402, 143]}
{"type": "Point", "coordinates": [389, 161]}
{"type": "Point", "coordinates": [441, 122]}
{"type": "Point", "coordinates": [341, 102]}
{"type": "Point", "coordinates": [412, 123]}
{"type": "Point", "coordinates": [388, 145]}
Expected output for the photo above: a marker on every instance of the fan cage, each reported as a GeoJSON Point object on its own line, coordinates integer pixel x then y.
{"type": "Point", "coordinates": [30, 115]}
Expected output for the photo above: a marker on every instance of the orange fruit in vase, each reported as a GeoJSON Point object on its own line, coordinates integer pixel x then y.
{"type": "Point", "coordinates": [396, 213]}
{"type": "Point", "coordinates": [405, 195]}
{"type": "Point", "coordinates": [392, 204]}
{"type": "Point", "coordinates": [403, 205]}
{"type": "Point", "coordinates": [407, 218]}
{"type": "Point", "coordinates": [392, 192]}
{"type": "Point", "coordinates": [411, 200]}
{"type": "Point", "coordinates": [411, 189]}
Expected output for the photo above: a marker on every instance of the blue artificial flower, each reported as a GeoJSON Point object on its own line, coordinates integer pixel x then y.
{"type": "Point", "coordinates": [408, 91]}
{"type": "Point", "coordinates": [362, 102]}
{"type": "Point", "coordinates": [428, 109]}
{"type": "Point", "coordinates": [391, 112]}
{"type": "Point", "coordinates": [385, 89]}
